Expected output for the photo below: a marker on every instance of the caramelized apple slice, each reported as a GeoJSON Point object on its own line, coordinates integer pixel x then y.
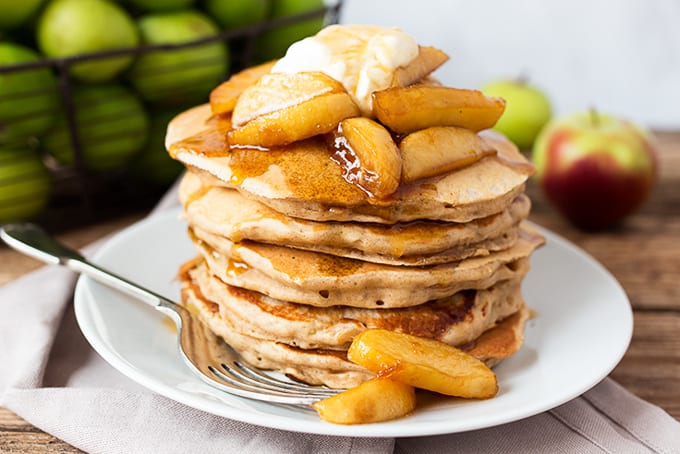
{"type": "Point", "coordinates": [376, 400]}
{"type": "Point", "coordinates": [284, 108]}
{"type": "Point", "coordinates": [428, 59]}
{"type": "Point", "coordinates": [278, 91]}
{"type": "Point", "coordinates": [223, 97]}
{"type": "Point", "coordinates": [409, 109]}
{"type": "Point", "coordinates": [440, 149]}
{"type": "Point", "coordinates": [368, 155]}
{"type": "Point", "coordinates": [423, 363]}
{"type": "Point", "coordinates": [301, 121]}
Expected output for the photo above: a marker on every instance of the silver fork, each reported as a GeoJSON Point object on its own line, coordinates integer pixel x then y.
{"type": "Point", "coordinates": [206, 355]}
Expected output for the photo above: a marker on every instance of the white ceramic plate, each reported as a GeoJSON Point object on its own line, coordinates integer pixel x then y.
{"type": "Point", "coordinates": [583, 326]}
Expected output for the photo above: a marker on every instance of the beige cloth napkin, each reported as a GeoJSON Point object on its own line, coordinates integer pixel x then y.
{"type": "Point", "coordinates": [51, 377]}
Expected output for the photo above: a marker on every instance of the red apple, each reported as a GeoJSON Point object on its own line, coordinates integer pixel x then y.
{"type": "Point", "coordinates": [597, 169]}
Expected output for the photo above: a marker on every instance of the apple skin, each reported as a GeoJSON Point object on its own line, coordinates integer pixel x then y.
{"type": "Point", "coordinates": [180, 76]}
{"type": "Point", "coordinates": [28, 98]}
{"type": "Point", "coordinates": [152, 164]}
{"type": "Point", "coordinates": [237, 13]}
{"type": "Point", "coordinates": [15, 13]}
{"type": "Point", "coordinates": [112, 126]}
{"type": "Point", "coordinates": [25, 185]}
{"type": "Point", "coordinates": [274, 43]}
{"type": "Point", "coordinates": [162, 5]}
{"type": "Point", "coordinates": [73, 27]}
{"type": "Point", "coordinates": [527, 110]}
{"type": "Point", "coordinates": [596, 169]}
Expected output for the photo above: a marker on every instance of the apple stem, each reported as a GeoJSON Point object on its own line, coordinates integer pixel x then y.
{"type": "Point", "coordinates": [594, 117]}
{"type": "Point", "coordinates": [522, 79]}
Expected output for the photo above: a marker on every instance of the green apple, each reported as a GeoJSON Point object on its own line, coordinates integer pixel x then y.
{"type": "Point", "coordinates": [597, 169]}
{"type": "Point", "coordinates": [274, 43]}
{"type": "Point", "coordinates": [25, 186]}
{"type": "Point", "coordinates": [112, 126]}
{"type": "Point", "coordinates": [28, 98]}
{"type": "Point", "coordinates": [237, 13]}
{"type": "Point", "coordinates": [14, 13]}
{"type": "Point", "coordinates": [162, 5]}
{"type": "Point", "coordinates": [183, 75]}
{"type": "Point", "coordinates": [73, 27]}
{"type": "Point", "coordinates": [527, 110]}
{"type": "Point", "coordinates": [153, 164]}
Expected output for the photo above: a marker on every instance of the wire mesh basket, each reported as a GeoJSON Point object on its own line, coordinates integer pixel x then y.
{"type": "Point", "coordinates": [73, 153]}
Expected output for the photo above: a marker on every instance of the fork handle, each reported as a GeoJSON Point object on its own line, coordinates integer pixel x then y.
{"type": "Point", "coordinates": [33, 241]}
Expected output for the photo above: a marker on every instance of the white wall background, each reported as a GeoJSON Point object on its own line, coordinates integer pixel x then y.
{"type": "Point", "coordinates": [619, 56]}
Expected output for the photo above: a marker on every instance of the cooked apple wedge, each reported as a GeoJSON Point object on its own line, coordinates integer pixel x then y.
{"type": "Point", "coordinates": [368, 155]}
{"type": "Point", "coordinates": [409, 109]}
{"type": "Point", "coordinates": [283, 108]}
{"type": "Point", "coordinates": [277, 91]}
{"type": "Point", "coordinates": [316, 116]}
{"type": "Point", "coordinates": [423, 363]}
{"type": "Point", "coordinates": [223, 98]}
{"type": "Point", "coordinates": [440, 149]}
{"type": "Point", "coordinates": [428, 59]}
{"type": "Point", "coordinates": [379, 399]}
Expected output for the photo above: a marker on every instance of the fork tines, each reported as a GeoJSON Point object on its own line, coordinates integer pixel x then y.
{"type": "Point", "coordinates": [249, 380]}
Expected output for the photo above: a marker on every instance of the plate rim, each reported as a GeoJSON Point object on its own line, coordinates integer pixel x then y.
{"type": "Point", "coordinates": [82, 301]}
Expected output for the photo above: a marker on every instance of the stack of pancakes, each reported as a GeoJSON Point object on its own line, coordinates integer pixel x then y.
{"type": "Point", "coordinates": [294, 261]}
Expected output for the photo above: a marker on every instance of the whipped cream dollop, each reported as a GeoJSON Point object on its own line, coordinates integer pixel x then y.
{"type": "Point", "coordinates": [361, 57]}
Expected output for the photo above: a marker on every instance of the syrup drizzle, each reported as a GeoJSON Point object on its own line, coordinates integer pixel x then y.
{"type": "Point", "coordinates": [323, 168]}
{"type": "Point", "coordinates": [341, 153]}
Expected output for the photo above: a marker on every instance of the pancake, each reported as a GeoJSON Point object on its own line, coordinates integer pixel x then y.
{"type": "Point", "coordinates": [324, 280]}
{"type": "Point", "coordinates": [313, 223]}
{"type": "Point", "coordinates": [311, 366]}
{"type": "Point", "coordinates": [455, 320]}
{"type": "Point", "coordinates": [225, 212]}
{"type": "Point", "coordinates": [319, 366]}
{"type": "Point", "coordinates": [502, 341]}
{"type": "Point", "coordinates": [302, 181]}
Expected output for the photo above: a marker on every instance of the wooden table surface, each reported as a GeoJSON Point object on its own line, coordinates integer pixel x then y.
{"type": "Point", "coordinates": [643, 254]}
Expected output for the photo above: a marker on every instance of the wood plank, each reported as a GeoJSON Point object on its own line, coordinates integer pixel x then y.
{"type": "Point", "coordinates": [10, 421]}
{"type": "Point", "coordinates": [18, 436]}
{"type": "Point", "coordinates": [651, 367]}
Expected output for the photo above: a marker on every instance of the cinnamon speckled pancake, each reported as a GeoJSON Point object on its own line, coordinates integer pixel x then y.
{"type": "Point", "coordinates": [456, 320]}
{"type": "Point", "coordinates": [319, 366]}
{"type": "Point", "coordinates": [225, 212]}
{"type": "Point", "coordinates": [302, 181]}
{"type": "Point", "coordinates": [323, 280]}
{"type": "Point", "coordinates": [315, 366]}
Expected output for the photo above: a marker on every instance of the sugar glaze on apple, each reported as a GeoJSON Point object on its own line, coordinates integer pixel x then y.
{"type": "Point", "coordinates": [595, 168]}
